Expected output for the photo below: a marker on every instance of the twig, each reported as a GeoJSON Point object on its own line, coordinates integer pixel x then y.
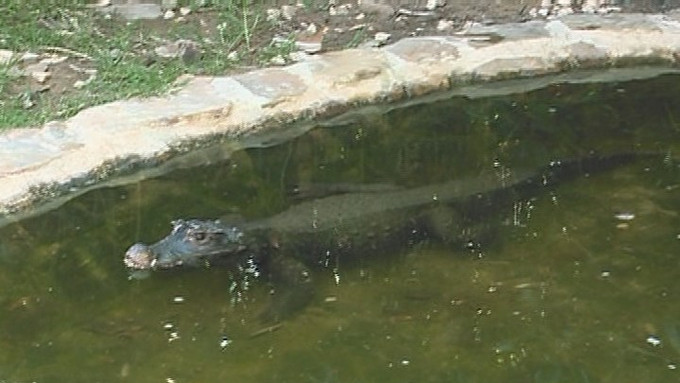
{"type": "Point", "coordinates": [67, 51]}
{"type": "Point", "coordinates": [266, 330]}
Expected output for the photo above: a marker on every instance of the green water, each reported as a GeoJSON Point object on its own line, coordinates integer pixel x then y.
{"type": "Point", "coordinates": [567, 290]}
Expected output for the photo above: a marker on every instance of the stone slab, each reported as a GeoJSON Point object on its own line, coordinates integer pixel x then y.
{"type": "Point", "coordinates": [205, 119]}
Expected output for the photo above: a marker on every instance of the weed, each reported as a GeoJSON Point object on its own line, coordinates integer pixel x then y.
{"type": "Point", "coordinates": [358, 36]}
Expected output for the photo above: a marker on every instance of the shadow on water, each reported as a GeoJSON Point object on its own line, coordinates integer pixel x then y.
{"type": "Point", "coordinates": [579, 284]}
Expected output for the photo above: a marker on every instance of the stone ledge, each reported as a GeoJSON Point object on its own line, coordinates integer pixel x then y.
{"type": "Point", "coordinates": [128, 140]}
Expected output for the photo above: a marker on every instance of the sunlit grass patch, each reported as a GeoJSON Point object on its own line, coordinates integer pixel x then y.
{"type": "Point", "coordinates": [228, 33]}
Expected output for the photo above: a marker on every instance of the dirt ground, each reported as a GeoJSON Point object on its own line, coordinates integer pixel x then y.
{"type": "Point", "coordinates": [458, 12]}
{"type": "Point", "coordinates": [335, 24]}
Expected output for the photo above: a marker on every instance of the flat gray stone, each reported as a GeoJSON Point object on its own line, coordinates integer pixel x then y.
{"type": "Point", "coordinates": [419, 50]}
{"type": "Point", "coordinates": [143, 11]}
{"type": "Point", "coordinates": [272, 83]}
{"type": "Point", "coordinates": [586, 52]}
{"type": "Point", "coordinates": [512, 67]}
{"type": "Point", "coordinates": [611, 21]}
{"type": "Point", "coordinates": [511, 31]}
{"type": "Point", "coordinates": [26, 149]}
{"type": "Point", "coordinates": [42, 167]}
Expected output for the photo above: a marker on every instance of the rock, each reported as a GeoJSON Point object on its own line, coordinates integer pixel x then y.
{"type": "Point", "coordinates": [278, 60]}
{"type": "Point", "coordinates": [311, 40]}
{"type": "Point", "coordinates": [288, 12]}
{"type": "Point", "coordinates": [53, 60]}
{"type": "Point", "coordinates": [187, 50]}
{"type": "Point", "coordinates": [444, 25]}
{"type": "Point", "coordinates": [169, 4]}
{"type": "Point", "coordinates": [273, 14]}
{"type": "Point", "coordinates": [590, 6]}
{"type": "Point", "coordinates": [311, 29]}
{"type": "Point", "coordinates": [184, 11]}
{"type": "Point", "coordinates": [375, 7]}
{"type": "Point", "coordinates": [40, 66]}
{"type": "Point", "coordinates": [381, 38]}
{"type": "Point", "coordinates": [81, 83]}
{"type": "Point", "coordinates": [169, 14]}
{"type": "Point", "coordinates": [408, 12]}
{"type": "Point", "coordinates": [309, 46]}
{"type": "Point", "coordinates": [29, 57]}
{"type": "Point", "coordinates": [298, 56]}
{"type": "Point", "coordinates": [431, 5]}
{"type": "Point", "coordinates": [135, 11]}
{"type": "Point", "coordinates": [40, 77]}
{"type": "Point", "coordinates": [6, 56]}
{"type": "Point", "coordinates": [27, 100]}
{"type": "Point", "coordinates": [564, 11]}
{"type": "Point", "coordinates": [341, 10]}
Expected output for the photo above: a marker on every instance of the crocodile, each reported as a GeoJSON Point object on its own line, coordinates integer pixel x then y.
{"type": "Point", "coordinates": [285, 246]}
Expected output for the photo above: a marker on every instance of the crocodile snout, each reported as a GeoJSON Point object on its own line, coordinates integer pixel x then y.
{"type": "Point", "coordinates": [139, 256]}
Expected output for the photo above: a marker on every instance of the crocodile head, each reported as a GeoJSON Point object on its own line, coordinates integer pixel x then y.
{"type": "Point", "coordinates": [191, 243]}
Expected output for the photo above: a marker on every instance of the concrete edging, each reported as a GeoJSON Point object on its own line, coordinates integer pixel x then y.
{"type": "Point", "coordinates": [128, 140]}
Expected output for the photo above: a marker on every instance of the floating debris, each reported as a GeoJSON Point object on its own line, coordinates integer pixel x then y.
{"type": "Point", "coordinates": [224, 342]}
{"type": "Point", "coordinates": [653, 340]}
{"type": "Point", "coordinates": [624, 216]}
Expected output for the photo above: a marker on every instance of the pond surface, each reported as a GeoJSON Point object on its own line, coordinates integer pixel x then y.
{"type": "Point", "coordinates": [577, 284]}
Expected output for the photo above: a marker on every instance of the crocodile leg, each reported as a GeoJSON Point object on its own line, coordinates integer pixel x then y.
{"type": "Point", "coordinates": [291, 289]}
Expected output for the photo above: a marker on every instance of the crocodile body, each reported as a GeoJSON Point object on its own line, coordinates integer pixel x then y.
{"type": "Point", "coordinates": [314, 232]}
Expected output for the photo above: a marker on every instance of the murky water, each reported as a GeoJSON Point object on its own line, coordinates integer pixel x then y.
{"type": "Point", "coordinates": [580, 284]}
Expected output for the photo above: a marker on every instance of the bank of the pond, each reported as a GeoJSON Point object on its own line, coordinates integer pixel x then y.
{"type": "Point", "coordinates": [127, 140]}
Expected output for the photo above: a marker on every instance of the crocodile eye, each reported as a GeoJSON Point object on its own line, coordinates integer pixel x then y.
{"type": "Point", "coordinates": [198, 236]}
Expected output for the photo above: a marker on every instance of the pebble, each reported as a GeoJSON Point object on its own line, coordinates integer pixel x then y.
{"type": "Point", "coordinates": [382, 11]}
{"type": "Point", "coordinates": [288, 12]}
{"type": "Point", "coordinates": [431, 5]}
{"type": "Point", "coordinates": [52, 60]}
{"type": "Point", "coordinates": [381, 38]}
{"type": "Point", "coordinates": [6, 56]}
{"type": "Point", "coordinates": [41, 77]}
{"type": "Point", "coordinates": [81, 83]}
{"type": "Point", "coordinates": [27, 100]}
{"type": "Point", "coordinates": [278, 60]}
{"type": "Point", "coordinates": [341, 10]}
{"type": "Point", "coordinates": [187, 50]}
{"type": "Point", "coordinates": [30, 57]}
{"type": "Point", "coordinates": [273, 14]}
{"type": "Point", "coordinates": [37, 67]}
{"type": "Point", "coordinates": [444, 25]}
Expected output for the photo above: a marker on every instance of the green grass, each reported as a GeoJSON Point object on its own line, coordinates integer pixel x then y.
{"type": "Point", "coordinates": [121, 52]}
